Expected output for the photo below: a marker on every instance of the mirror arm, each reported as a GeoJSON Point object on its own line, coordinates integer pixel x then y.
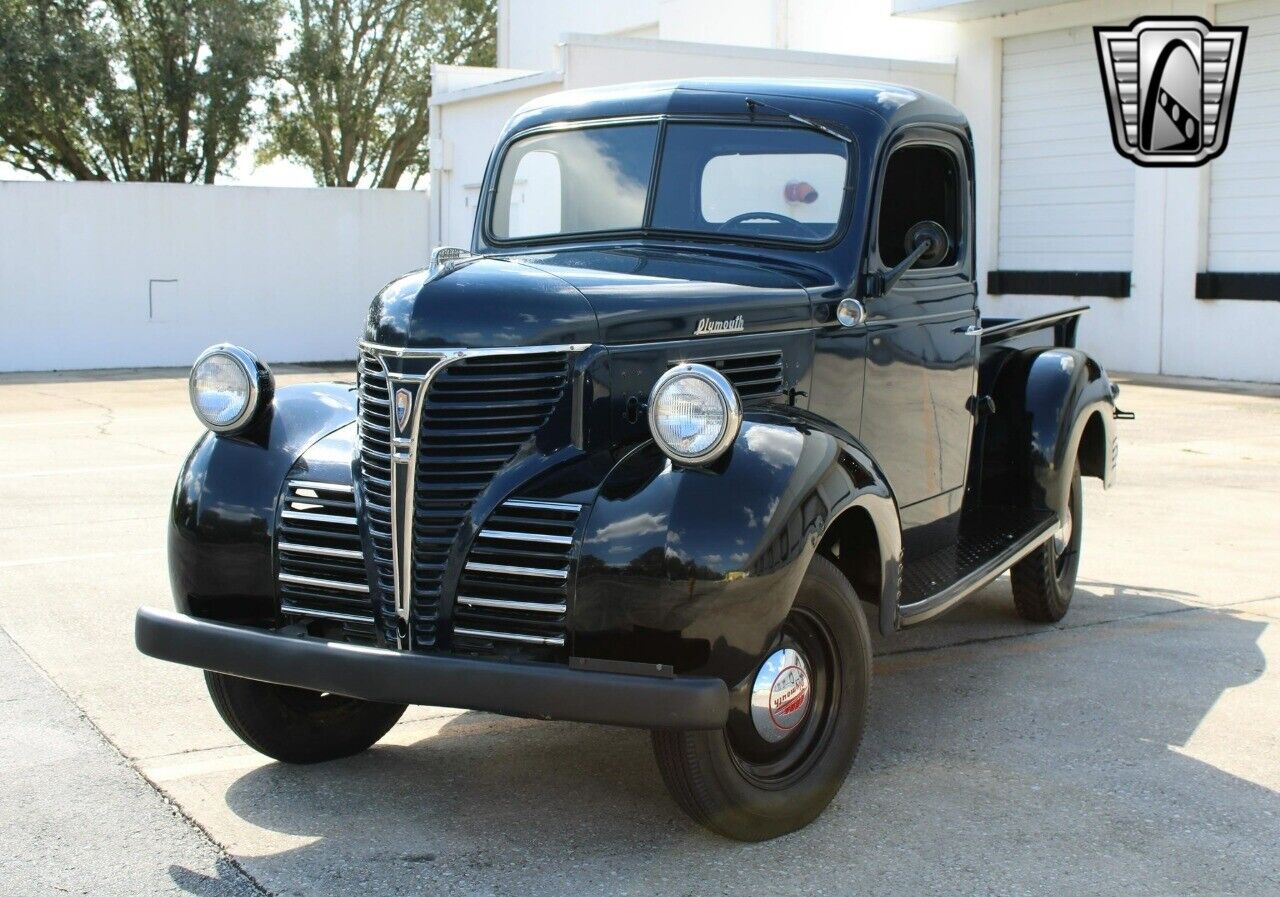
{"type": "Point", "coordinates": [882, 282]}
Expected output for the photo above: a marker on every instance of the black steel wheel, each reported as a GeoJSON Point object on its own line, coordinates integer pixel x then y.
{"type": "Point", "coordinates": [294, 725]}
{"type": "Point", "coordinates": [795, 731]}
{"type": "Point", "coordinates": [1044, 581]}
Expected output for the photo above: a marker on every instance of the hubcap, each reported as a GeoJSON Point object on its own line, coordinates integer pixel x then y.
{"type": "Point", "coordinates": [1062, 538]}
{"type": "Point", "coordinates": [781, 695]}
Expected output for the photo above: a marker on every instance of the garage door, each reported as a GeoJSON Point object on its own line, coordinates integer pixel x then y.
{"type": "Point", "coordinates": [1066, 195]}
{"type": "Point", "coordinates": [1244, 188]}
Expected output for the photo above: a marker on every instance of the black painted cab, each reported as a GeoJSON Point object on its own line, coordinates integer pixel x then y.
{"type": "Point", "coordinates": [709, 390]}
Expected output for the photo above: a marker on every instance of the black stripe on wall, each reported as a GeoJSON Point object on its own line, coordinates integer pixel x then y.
{"type": "Point", "coordinates": [1265, 286]}
{"type": "Point", "coordinates": [1059, 283]}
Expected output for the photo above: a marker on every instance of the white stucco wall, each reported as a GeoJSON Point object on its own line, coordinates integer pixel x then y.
{"type": "Point", "coordinates": [124, 275]}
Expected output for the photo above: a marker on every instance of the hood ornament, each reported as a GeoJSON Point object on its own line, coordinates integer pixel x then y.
{"type": "Point", "coordinates": [707, 326]}
{"type": "Point", "coordinates": [448, 258]}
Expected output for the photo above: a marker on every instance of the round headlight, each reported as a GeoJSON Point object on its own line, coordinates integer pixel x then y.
{"type": "Point", "coordinates": [694, 413]}
{"type": "Point", "coordinates": [226, 387]}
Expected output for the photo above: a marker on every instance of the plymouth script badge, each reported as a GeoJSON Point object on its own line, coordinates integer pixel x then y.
{"type": "Point", "coordinates": [707, 326]}
{"type": "Point", "coordinates": [404, 401]}
{"type": "Point", "coordinates": [1170, 84]}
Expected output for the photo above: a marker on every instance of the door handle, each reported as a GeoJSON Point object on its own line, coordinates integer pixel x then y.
{"type": "Point", "coordinates": [971, 330]}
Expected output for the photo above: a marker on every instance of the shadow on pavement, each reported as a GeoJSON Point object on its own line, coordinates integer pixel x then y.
{"type": "Point", "coordinates": [996, 759]}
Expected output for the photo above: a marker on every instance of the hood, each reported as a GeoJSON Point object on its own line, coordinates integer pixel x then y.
{"type": "Point", "coordinates": [610, 296]}
{"type": "Point", "coordinates": [488, 303]}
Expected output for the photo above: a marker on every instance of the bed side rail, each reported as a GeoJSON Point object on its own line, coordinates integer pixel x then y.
{"type": "Point", "coordinates": [1063, 323]}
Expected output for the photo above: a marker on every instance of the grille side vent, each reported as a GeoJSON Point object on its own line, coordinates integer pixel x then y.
{"type": "Point", "coordinates": [375, 470]}
{"type": "Point", "coordinates": [514, 588]}
{"type": "Point", "coordinates": [321, 564]}
{"type": "Point", "coordinates": [478, 413]}
{"type": "Point", "coordinates": [752, 375]}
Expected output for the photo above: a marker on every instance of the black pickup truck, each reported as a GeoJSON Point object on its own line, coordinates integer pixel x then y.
{"type": "Point", "coordinates": [710, 379]}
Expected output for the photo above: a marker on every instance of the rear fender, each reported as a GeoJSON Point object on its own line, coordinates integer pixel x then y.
{"type": "Point", "coordinates": [697, 568]}
{"type": "Point", "coordinates": [1052, 406]}
{"type": "Point", "coordinates": [223, 514]}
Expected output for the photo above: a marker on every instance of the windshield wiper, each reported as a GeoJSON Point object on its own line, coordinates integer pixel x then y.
{"type": "Point", "coordinates": [752, 103]}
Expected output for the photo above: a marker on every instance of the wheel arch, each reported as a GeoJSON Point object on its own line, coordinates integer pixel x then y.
{"type": "Point", "coordinates": [697, 568]}
{"type": "Point", "coordinates": [1053, 404]}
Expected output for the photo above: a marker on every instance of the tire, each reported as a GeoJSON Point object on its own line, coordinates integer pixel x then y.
{"type": "Point", "coordinates": [294, 725]}
{"type": "Point", "coordinates": [1044, 580]}
{"type": "Point", "coordinates": [735, 783]}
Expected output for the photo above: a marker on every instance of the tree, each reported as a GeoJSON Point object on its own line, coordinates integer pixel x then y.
{"type": "Point", "coordinates": [351, 96]}
{"type": "Point", "coordinates": [131, 90]}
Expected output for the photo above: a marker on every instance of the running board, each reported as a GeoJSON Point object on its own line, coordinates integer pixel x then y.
{"type": "Point", "coordinates": [989, 544]}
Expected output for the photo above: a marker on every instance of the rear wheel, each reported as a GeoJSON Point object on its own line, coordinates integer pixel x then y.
{"type": "Point", "coordinates": [295, 725]}
{"type": "Point", "coordinates": [784, 755]}
{"type": "Point", "coordinates": [1044, 580]}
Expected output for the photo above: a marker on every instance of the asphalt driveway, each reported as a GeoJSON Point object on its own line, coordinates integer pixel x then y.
{"type": "Point", "coordinates": [1133, 749]}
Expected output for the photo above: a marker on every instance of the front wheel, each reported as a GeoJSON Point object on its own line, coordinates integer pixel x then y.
{"type": "Point", "coordinates": [783, 756]}
{"type": "Point", "coordinates": [294, 725]}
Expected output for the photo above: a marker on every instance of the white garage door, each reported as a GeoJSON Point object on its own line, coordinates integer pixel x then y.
{"type": "Point", "coordinates": [1244, 191]}
{"type": "Point", "coordinates": [1066, 195]}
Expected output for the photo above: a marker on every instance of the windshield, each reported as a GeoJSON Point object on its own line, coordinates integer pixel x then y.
{"type": "Point", "coordinates": [772, 183]}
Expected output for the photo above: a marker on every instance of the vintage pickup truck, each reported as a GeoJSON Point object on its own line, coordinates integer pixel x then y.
{"type": "Point", "coordinates": [710, 379]}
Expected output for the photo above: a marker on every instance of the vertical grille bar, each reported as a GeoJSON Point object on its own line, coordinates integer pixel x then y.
{"type": "Point", "coordinates": [472, 411]}
{"type": "Point", "coordinates": [375, 474]}
{"type": "Point", "coordinates": [477, 413]}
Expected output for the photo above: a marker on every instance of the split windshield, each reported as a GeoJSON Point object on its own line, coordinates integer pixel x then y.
{"type": "Point", "coordinates": [753, 181]}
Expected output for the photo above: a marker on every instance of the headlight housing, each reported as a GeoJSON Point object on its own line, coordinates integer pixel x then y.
{"type": "Point", "coordinates": [227, 386]}
{"type": "Point", "coordinates": [694, 413]}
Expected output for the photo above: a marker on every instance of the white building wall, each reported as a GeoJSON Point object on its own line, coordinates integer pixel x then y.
{"type": "Point", "coordinates": [529, 30]}
{"type": "Point", "coordinates": [124, 275]}
{"type": "Point", "coordinates": [1160, 327]}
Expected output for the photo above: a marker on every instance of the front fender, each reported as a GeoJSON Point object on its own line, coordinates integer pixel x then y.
{"type": "Point", "coordinates": [697, 568]}
{"type": "Point", "coordinates": [223, 515]}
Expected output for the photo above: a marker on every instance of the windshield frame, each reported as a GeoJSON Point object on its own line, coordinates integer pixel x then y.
{"type": "Point", "coordinates": [646, 230]}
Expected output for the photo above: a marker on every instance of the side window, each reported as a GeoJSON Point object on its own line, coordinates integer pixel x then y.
{"type": "Point", "coordinates": [921, 183]}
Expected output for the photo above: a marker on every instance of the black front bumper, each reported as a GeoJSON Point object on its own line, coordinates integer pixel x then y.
{"type": "Point", "coordinates": [542, 691]}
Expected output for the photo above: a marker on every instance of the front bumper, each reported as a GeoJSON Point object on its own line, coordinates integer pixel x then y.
{"type": "Point", "coordinates": [542, 691]}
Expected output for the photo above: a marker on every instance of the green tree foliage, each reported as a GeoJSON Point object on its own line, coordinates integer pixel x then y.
{"type": "Point", "coordinates": [351, 94]}
{"type": "Point", "coordinates": [131, 90]}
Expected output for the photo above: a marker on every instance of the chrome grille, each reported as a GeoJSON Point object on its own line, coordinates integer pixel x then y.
{"type": "Point", "coordinates": [375, 475]}
{"type": "Point", "coordinates": [514, 587]}
{"type": "Point", "coordinates": [321, 564]}
{"type": "Point", "coordinates": [476, 415]}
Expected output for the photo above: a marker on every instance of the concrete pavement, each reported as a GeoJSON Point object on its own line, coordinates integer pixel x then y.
{"type": "Point", "coordinates": [1133, 749]}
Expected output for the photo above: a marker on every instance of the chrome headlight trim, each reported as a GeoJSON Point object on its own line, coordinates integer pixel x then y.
{"type": "Point", "coordinates": [258, 375]}
{"type": "Point", "coordinates": [727, 394]}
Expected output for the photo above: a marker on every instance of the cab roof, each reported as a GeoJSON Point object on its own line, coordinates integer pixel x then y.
{"type": "Point", "coordinates": [857, 105]}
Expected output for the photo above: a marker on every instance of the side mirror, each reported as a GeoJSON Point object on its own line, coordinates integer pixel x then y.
{"type": "Point", "coordinates": [936, 236]}
{"type": "Point", "coordinates": [926, 243]}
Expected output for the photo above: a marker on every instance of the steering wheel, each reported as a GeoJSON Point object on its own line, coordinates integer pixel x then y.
{"type": "Point", "coordinates": [775, 217]}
